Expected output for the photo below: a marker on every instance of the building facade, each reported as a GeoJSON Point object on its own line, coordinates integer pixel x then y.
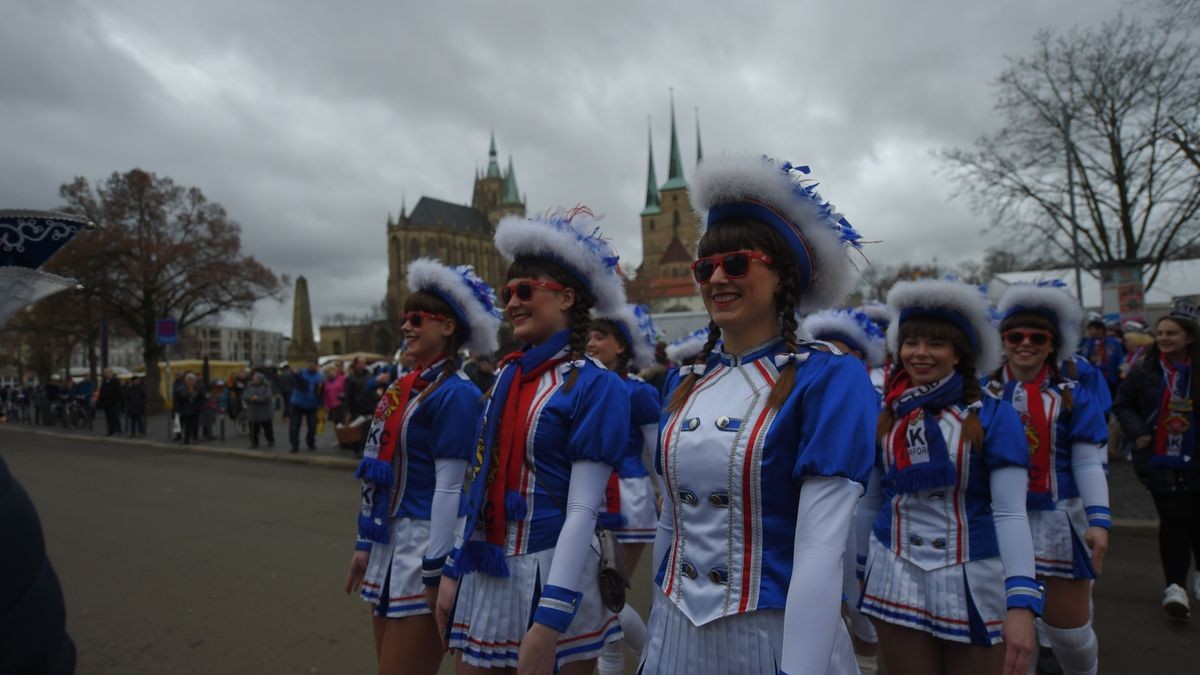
{"type": "Point", "coordinates": [229, 343]}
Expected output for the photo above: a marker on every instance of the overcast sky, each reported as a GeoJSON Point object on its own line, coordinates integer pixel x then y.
{"type": "Point", "coordinates": [308, 121]}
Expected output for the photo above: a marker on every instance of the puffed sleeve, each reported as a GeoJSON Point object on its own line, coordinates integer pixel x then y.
{"type": "Point", "coordinates": [838, 410]}
{"type": "Point", "coordinates": [1093, 380]}
{"type": "Point", "coordinates": [600, 418]}
{"type": "Point", "coordinates": [1087, 419]}
{"type": "Point", "coordinates": [456, 420]}
{"type": "Point", "coordinates": [1004, 441]}
{"type": "Point", "coordinates": [643, 405]}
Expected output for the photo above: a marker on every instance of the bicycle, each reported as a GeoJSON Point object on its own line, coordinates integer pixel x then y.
{"type": "Point", "coordinates": [241, 423]}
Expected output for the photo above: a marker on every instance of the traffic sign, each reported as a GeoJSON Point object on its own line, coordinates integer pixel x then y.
{"type": "Point", "coordinates": [168, 332]}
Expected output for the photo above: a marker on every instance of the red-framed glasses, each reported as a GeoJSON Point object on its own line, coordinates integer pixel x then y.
{"type": "Point", "coordinates": [736, 264]}
{"type": "Point", "coordinates": [415, 318]}
{"type": "Point", "coordinates": [1037, 338]}
{"type": "Point", "coordinates": [524, 289]}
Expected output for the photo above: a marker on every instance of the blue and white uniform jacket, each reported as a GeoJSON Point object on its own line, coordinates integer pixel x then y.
{"type": "Point", "coordinates": [1089, 377]}
{"type": "Point", "coordinates": [733, 469]}
{"type": "Point", "coordinates": [587, 423]}
{"type": "Point", "coordinates": [952, 525]}
{"type": "Point", "coordinates": [1079, 428]}
{"type": "Point", "coordinates": [644, 408]}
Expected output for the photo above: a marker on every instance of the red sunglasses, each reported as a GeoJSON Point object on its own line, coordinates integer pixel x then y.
{"type": "Point", "coordinates": [1037, 338]}
{"type": "Point", "coordinates": [736, 265]}
{"type": "Point", "coordinates": [415, 318]}
{"type": "Point", "coordinates": [524, 289]}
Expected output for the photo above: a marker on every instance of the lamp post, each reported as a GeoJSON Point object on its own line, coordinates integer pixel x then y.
{"type": "Point", "coordinates": [1071, 202]}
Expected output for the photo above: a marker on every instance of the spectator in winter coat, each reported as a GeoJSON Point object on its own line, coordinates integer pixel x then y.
{"type": "Point", "coordinates": [257, 397]}
{"type": "Point", "coordinates": [135, 407]}
{"type": "Point", "coordinates": [306, 398]}
{"type": "Point", "coordinates": [283, 382]}
{"type": "Point", "coordinates": [335, 384]}
{"type": "Point", "coordinates": [111, 401]}
{"type": "Point", "coordinates": [190, 401]}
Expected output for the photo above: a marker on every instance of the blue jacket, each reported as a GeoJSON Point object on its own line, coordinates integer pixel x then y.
{"type": "Point", "coordinates": [306, 389]}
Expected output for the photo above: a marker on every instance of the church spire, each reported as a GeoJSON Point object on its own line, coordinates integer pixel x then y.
{"type": "Point", "coordinates": [403, 206]}
{"type": "Point", "coordinates": [699, 148]}
{"type": "Point", "coordinates": [510, 185]}
{"type": "Point", "coordinates": [493, 168]}
{"type": "Point", "coordinates": [653, 203]}
{"type": "Point", "coordinates": [675, 174]}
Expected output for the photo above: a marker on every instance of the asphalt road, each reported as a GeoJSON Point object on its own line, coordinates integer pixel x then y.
{"type": "Point", "coordinates": [187, 563]}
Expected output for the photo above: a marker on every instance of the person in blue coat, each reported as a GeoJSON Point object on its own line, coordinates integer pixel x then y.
{"type": "Point", "coordinates": [415, 458]}
{"type": "Point", "coordinates": [520, 589]}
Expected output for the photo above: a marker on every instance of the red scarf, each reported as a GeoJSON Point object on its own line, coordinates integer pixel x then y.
{"type": "Point", "coordinates": [1037, 434]}
{"type": "Point", "coordinates": [504, 485]}
{"type": "Point", "coordinates": [1175, 433]}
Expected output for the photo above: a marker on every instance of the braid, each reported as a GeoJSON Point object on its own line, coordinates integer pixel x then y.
{"type": "Point", "coordinates": [578, 320]}
{"type": "Point", "coordinates": [972, 392]}
{"type": "Point", "coordinates": [787, 330]}
{"type": "Point", "coordinates": [685, 387]}
{"type": "Point", "coordinates": [448, 371]}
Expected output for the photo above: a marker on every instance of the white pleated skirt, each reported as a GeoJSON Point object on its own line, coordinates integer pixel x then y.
{"type": "Point", "coordinates": [639, 510]}
{"type": "Point", "coordinates": [960, 603]}
{"type": "Point", "coordinates": [393, 579]}
{"type": "Point", "coordinates": [1058, 546]}
{"type": "Point", "coordinates": [492, 614]}
{"type": "Point", "coordinates": [750, 643]}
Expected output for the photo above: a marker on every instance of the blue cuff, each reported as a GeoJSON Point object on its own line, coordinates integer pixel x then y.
{"type": "Point", "coordinates": [361, 544]}
{"type": "Point", "coordinates": [448, 565]}
{"type": "Point", "coordinates": [431, 571]}
{"type": "Point", "coordinates": [557, 607]}
{"type": "Point", "coordinates": [1024, 593]}
{"type": "Point", "coordinates": [860, 567]}
{"type": "Point", "coordinates": [1099, 516]}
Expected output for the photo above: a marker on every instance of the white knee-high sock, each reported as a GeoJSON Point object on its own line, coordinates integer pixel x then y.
{"type": "Point", "coordinates": [634, 628]}
{"type": "Point", "coordinates": [612, 659]}
{"type": "Point", "coordinates": [1076, 648]}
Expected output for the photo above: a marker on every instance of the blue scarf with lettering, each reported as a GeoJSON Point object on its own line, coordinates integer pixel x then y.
{"type": "Point", "coordinates": [920, 459]}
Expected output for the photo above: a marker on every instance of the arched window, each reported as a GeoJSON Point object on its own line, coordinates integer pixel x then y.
{"type": "Point", "coordinates": [651, 224]}
{"type": "Point", "coordinates": [394, 258]}
{"type": "Point", "coordinates": [431, 248]}
{"type": "Point", "coordinates": [414, 249]}
{"type": "Point", "coordinates": [337, 346]}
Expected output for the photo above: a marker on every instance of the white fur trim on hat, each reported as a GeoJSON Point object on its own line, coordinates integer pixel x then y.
{"type": "Point", "coordinates": [572, 239]}
{"type": "Point", "coordinates": [878, 312]}
{"type": "Point", "coordinates": [946, 296]}
{"type": "Point", "coordinates": [641, 331]}
{"type": "Point", "coordinates": [842, 324]}
{"type": "Point", "coordinates": [1068, 315]}
{"type": "Point", "coordinates": [471, 298]}
{"type": "Point", "coordinates": [732, 179]}
{"type": "Point", "coordinates": [687, 347]}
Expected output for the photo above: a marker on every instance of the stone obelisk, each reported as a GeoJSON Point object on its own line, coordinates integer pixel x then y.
{"type": "Point", "coordinates": [302, 347]}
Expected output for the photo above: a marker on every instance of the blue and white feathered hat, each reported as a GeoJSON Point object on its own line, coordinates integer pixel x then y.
{"type": "Point", "coordinates": [879, 314]}
{"type": "Point", "coordinates": [851, 326]}
{"type": "Point", "coordinates": [637, 327]}
{"type": "Point", "coordinates": [571, 239]}
{"type": "Point", "coordinates": [687, 347]}
{"type": "Point", "coordinates": [471, 299]}
{"type": "Point", "coordinates": [1049, 299]}
{"type": "Point", "coordinates": [781, 196]}
{"type": "Point", "coordinates": [960, 304]}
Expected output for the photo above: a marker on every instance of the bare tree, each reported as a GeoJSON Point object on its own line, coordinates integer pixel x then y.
{"type": "Point", "coordinates": [162, 250]}
{"type": "Point", "coordinates": [1101, 100]}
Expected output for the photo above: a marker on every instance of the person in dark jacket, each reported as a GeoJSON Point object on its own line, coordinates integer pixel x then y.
{"type": "Point", "coordinates": [1155, 406]}
{"type": "Point", "coordinates": [283, 382]}
{"type": "Point", "coordinates": [190, 400]}
{"type": "Point", "coordinates": [135, 407]}
{"type": "Point", "coordinates": [33, 635]}
{"type": "Point", "coordinates": [257, 397]}
{"type": "Point", "coordinates": [111, 401]}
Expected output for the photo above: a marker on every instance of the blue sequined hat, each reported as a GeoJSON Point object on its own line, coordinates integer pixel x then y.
{"type": "Point", "coordinates": [781, 196]}
{"type": "Point", "coordinates": [471, 299]}
{"type": "Point", "coordinates": [571, 239]}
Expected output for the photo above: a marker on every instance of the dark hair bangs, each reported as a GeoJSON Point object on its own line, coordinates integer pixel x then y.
{"type": "Point", "coordinates": [1034, 321]}
{"type": "Point", "coordinates": [529, 267]}
{"type": "Point", "coordinates": [933, 328]}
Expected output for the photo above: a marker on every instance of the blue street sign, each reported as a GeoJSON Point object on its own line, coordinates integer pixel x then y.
{"type": "Point", "coordinates": [168, 332]}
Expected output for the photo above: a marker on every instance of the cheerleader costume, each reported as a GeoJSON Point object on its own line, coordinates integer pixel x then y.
{"type": "Point", "coordinates": [432, 447]}
{"type": "Point", "coordinates": [950, 560]}
{"type": "Point", "coordinates": [1068, 491]}
{"type": "Point", "coordinates": [631, 512]}
{"type": "Point", "coordinates": [531, 556]}
{"type": "Point", "coordinates": [752, 492]}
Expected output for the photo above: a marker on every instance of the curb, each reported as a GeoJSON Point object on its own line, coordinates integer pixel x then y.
{"type": "Point", "coordinates": [1142, 527]}
{"type": "Point", "coordinates": [199, 449]}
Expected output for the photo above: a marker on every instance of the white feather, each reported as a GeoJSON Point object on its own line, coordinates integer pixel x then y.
{"type": "Point", "coordinates": [482, 325]}
{"type": "Point", "coordinates": [830, 324]}
{"type": "Point", "coordinates": [686, 348]}
{"type": "Point", "coordinates": [946, 295]}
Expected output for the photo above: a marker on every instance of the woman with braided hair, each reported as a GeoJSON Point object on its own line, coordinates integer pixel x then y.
{"type": "Point", "coordinates": [765, 442]}
{"type": "Point", "coordinates": [1067, 500]}
{"type": "Point", "coordinates": [949, 569]}
{"type": "Point", "coordinates": [415, 458]}
{"type": "Point", "coordinates": [520, 589]}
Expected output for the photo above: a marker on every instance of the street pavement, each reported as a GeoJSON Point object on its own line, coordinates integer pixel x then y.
{"type": "Point", "coordinates": [201, 562]}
